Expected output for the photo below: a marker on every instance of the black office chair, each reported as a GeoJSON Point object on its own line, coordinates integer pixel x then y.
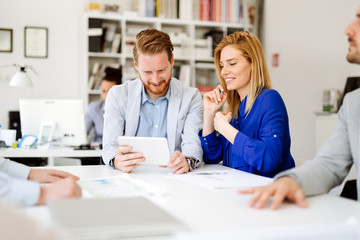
{"type": "Point", "coordinates": [350, 191]}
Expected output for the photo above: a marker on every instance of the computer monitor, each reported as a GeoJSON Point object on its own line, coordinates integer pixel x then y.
{"type": "Point", "coordinates": [59, 121]}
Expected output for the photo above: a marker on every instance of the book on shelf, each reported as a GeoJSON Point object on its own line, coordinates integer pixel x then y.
{"type": "Point", "coordinates": [196, 10]}
{"type": "Point", "coordinates": [211, 10]}
{"type": "Point", "coordinates": [185, 74]}
{"type": "Point", "coordinates": [150, 8]}
{"type": "Point", "coordinates": [185, 9]}
{"type": "Point", "coordinates": [99, 76]}
{"type": "Point", "coordinates": [109, 31]}
{"type": "Point", "coordinates": [94, 71]}
{"type": "Point", "coordinates": [217, 10]}
{"type": "Point", "coordinates": [145, 8]}
{"type": "Point", "coordinates": [173, 9]}
{"type": "Point", "coordinates": [223, 10]}
{"type": "Point", "coordinates": [158, 8]}
{"type": "Point", "coordinates": [115, 46]}
{"type": "Point", "coordinates": [235, 11]}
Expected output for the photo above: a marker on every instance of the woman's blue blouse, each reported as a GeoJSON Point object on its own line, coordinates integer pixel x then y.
{"type": "Point", "coordinates": [262, 145]}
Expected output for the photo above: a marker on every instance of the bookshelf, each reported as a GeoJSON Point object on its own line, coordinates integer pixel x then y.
{"type": "Point", "coordinates": [192, 40]}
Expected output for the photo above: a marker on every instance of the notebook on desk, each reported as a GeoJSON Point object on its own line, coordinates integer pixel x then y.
{"type": "Point", "coordinates": [99, 218]}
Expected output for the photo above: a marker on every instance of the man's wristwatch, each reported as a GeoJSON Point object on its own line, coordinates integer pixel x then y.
{"type": "Point", "coordinates": [111, 163]}
{"type": "Point", "coordinates": [191, 163]}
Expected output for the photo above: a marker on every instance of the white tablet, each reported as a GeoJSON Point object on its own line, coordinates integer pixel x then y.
{"type": "Point", "coordinates": [154, 149]}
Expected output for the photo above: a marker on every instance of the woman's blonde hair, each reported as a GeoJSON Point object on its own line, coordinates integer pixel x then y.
{"type": "Point", "coordinates": [251, 49]}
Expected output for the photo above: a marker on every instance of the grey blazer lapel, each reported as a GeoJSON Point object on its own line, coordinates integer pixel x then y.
{"type": "Point", "coordinates": [133, 107]}
{"type": "Point", "coordinates": [172, 116]}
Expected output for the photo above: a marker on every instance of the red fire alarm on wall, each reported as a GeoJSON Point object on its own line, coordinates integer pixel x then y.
{"type": "Point", "coordinates": [275, 60]}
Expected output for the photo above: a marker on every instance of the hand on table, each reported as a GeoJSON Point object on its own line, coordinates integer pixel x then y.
{"type": "Point", "coordinates": [49, 175]}
{"type": "Point", "coordinates": [284, 187]}
{"type": "Point", "coordinates": [125, 160]}
{"type": "Point", "coordinates": [65, 188]}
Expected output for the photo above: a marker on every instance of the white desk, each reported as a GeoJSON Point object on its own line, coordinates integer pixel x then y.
{"type": "Point", "coordinates": [225, 213]}
{"type": "Point", "coordinates": [50, 154]}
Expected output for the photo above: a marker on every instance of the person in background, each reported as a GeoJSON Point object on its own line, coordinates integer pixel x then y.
{"type": "Point", "coordinates": [254, 136]}
{"type": "Point", "coordinates": [153, 105]}
{"type": "Point", "coordinates": [20, 184]}
{"type": "Point", "coordinates": [334, 160]}
{"type": "Point", "coordinates": [94, 117]}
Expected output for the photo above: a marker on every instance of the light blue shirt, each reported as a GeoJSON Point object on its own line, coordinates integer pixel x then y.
{"type": "Point", "coordinates": [94, 118]}
{"type": "Point", "coordinates": [153, 116]}
{"type": "Point", "coordinates": [14, 186]}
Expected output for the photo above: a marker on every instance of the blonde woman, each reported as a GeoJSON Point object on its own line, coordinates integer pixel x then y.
{"type": "Point", "coordinates": [254, 136]}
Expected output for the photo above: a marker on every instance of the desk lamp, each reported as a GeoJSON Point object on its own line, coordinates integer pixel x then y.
{"type": "Point", "coordinates": [21, 78]}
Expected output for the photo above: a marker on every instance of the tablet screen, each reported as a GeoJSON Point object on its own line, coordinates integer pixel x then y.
{"type": "Point", "coordinates": [154, 149]}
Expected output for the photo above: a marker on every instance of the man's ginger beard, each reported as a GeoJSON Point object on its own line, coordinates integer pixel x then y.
{"type": "Point", "coordinates": [158, 91]}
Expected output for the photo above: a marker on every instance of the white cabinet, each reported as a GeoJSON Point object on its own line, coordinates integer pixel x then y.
{"type": "Point", "coordinates": [192, 48]}
{"type": "Point", "coordinates": [324, 125]}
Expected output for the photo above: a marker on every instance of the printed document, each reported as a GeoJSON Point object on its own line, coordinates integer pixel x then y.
{"type": "Point", "coordinates": [224, 179]}
{"type": "Point", "coordinates": [119, 186]}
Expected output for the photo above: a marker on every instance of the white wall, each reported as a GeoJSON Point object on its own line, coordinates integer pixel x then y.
{"type": "Point", "coordinates": [59, 74]}
{"type": "Point", "coordinates": [309, 37]}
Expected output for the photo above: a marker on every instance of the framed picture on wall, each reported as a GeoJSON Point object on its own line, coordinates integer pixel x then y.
{"type": "Point", "coordinates": [36, 42]}
{"type": "Point", "coordinates": [6, 36]}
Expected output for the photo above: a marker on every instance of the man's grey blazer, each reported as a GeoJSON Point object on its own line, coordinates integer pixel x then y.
{"type": "Point", "coordinates": [184, 117]}
{"type": "Point", "coordinates": [334, 160]}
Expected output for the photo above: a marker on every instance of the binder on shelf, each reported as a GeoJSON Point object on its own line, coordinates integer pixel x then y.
{"type": "Point", "coordinates": [95, 35]}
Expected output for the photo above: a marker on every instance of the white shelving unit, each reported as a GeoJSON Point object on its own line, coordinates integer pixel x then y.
{"type": "Point", "coordinates": [187, 36]}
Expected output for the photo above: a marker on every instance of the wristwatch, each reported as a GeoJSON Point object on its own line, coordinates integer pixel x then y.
{"type": "Point", "coordinates": [111, 163]}
{"type": "Point", "coordinates": [191, 163]}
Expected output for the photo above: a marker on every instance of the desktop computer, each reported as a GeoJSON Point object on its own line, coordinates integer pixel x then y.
{"type": "Point", "coordinates": [54, 121]}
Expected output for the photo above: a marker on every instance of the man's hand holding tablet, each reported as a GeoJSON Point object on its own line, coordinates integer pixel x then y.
{"type": "Point", "coordinates": [126, 160]}
{"type": "Point", "coordinates": [178, 163]}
